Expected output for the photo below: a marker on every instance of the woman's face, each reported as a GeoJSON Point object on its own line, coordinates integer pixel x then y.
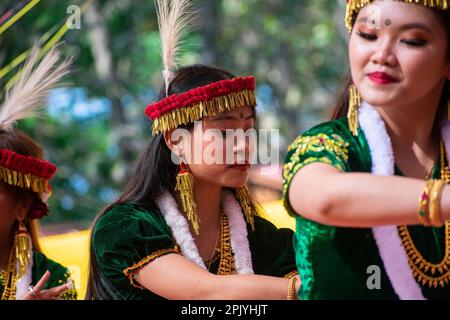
{"type": "Point", "coordinates": [221, 148]}
{"type": "Point", "coordinates": [398, 53]}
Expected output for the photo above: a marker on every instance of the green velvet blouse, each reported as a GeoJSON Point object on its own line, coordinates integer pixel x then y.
{"type": "Point", "coordinates": [333, 261]}
{"type": "Point", "coordinates": [127, 237]}
{"type": "Point", "coordinates": [59, 275]}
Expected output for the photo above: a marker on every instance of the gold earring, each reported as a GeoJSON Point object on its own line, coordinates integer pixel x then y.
{"type": "Point", "coordinates": [23, 247]}
{"type": "Point", "coordinates": [185, 187]}
{"type": "Point", "coordinates": [354, 103]}
{"type": "Point", "coordinates": [243, 196]}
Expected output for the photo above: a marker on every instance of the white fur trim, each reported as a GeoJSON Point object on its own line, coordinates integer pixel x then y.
{"type": "Point", "coordinates": [180, 230]}
{"type": "Point", "coordinates": [386, 237]}
{"type": "Point", "coordinates": [24, 283]}
{"type": "Point", "coordinates": [238, 230]}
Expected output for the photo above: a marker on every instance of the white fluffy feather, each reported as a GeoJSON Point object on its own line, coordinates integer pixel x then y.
{"type": "Point", "coordinates": [29, 93]}
{"type": "Point", "coordinates": [174, 16]}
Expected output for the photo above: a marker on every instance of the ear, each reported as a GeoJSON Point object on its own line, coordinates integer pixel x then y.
{"type": "Point", "coordinates": [24, 207]}
{"type": "Point", "coordinates": [167, 135]}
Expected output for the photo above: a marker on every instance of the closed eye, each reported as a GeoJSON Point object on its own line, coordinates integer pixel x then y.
{"type": "Point", "coordinates": [367, 36]}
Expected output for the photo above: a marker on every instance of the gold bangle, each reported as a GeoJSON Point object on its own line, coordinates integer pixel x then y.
{"type": "Point", "coordinates": [291, 288]}
{"type": "Point", "coordinates": [435, 203]}
{"type": "Point", "coordinates": [424, 200]}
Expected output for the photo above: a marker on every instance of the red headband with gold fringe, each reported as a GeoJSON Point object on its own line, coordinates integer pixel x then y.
{"type": "Point", "coordinates": [25, 171]}
{"type": "Point", "coordinates": [353, 7]}
{"type": "Point", "coordinates": [192, 105]}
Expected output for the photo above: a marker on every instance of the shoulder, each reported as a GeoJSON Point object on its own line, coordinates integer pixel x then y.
{"type": "Point", "coordinates": [128, 214]}
{"type": "Point", "coordinates": [332, 135]}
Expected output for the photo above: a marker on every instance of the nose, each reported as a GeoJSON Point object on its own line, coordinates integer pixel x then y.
{"type": "Point", "coordinates": [384, 54]}
{"type": "Point", "coordinates": [244, 146]}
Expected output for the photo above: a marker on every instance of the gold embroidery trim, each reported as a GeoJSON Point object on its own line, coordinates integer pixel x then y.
{"type": "Point", "coordinates": [177, 117]}
{"type": "Point", "coordinates": [129, 272]}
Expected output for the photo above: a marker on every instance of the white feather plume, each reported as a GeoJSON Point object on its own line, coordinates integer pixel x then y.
{"type": "Point", "coordinates": [29, 93]}
{"type": "Point", "coordinates": [174, 16]}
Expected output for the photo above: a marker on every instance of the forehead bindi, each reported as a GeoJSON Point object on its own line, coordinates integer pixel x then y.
{"type": "Point", "coordinates": [397, 15]}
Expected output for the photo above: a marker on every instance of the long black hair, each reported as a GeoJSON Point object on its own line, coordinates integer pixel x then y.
{"type": "Point", "coordinates": [342, 102]}
{"type": "Point", "coordinates": [154, 172]}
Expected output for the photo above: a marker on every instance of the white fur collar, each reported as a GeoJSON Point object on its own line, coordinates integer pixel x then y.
{"type": "Point", "coordinates": [238, 229]}
{"type": "Point", "coordinates": [24, 283]}
{"type": "Point", "coordinates": [387, 238]}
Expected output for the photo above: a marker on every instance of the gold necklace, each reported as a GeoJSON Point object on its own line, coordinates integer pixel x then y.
{"type": "Point", "coordinates": [226, 265]}
{"type": "Point", "coordinates": [9, 278]}
{"type": "Point", "coordinates": [215, 244]}
{"type": "Point", "coordinates": [425, 272]}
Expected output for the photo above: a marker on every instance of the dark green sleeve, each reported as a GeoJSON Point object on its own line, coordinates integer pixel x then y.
{"type": "Point", "coordinates": [272, 249]}
{"type": "Point", "coordinates": [125, 239]}
{"type": "Point", "coordinates": [325, 143]}
{"type": "Point", "coordinates": [59, 274]}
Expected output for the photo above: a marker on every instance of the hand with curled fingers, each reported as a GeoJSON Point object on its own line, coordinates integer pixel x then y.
{"type": "Point", "coordinates": [36, 292]}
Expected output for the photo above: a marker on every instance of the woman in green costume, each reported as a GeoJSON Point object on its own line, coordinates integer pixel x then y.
{"type": "Point", "coordinates": [25, 272]}
{"type": "Point", "coordinates": [369, 190]}
{"type": "Point", "coordinates": [190, 231]}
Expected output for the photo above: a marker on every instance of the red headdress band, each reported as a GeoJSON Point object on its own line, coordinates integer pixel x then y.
{"type": "Point", "coordinates": [192, 105]}
{"type": "Point", "coordinates": [25, 172]}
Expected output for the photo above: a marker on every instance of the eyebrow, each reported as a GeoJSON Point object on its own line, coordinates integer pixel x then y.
{"type": "Point", "coordinates": [414, 25]}
{"type": "Point", "coordinates": [363, 19]}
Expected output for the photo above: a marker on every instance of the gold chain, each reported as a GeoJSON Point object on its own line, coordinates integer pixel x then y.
{"type": "Point", "coordinates": [426, 272]}
{"type": "Point", "coordinates": [9, 278]}
{"type": "Point", "coordinates": [211, 259]}
{"type": "Point", "coordinates": [226, 265]}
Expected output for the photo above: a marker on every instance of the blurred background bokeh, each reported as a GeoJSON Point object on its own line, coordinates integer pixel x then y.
{"type": "Point", "coordinates": [95, 127]}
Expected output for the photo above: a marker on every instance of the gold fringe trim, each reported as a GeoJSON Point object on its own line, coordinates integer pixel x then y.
{"type": "Point", "coordinates": [25, 181]}
{"type": "Point", "coordinates": [129, 272]}
{"type": "Point", "coordinates": [353, 108]}
{"type": "Point", "coordinates": [185, 187]}
{"type": "Point", "coordinates": [243, 196]}
{"type": "Point", "coordinates": [353, 7]}
{"type": "Point", "coordinates": [195, 112]}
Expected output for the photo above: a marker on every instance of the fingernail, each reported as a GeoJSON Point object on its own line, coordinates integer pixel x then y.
{"type": "Point", "coordinates": [70, 285]}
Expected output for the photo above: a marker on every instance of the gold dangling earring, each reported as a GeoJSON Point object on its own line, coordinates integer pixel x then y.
{"type": "Point", "coordinates": [185, 186]}
{"type": "Point", "coordinates": [23, 247]}
{"type": "Point", "coordinates": [243, 196]}
{"type": "Point", "coordinates": [353, 107]}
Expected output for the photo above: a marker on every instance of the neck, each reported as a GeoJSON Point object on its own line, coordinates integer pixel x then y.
{"type": "Point", "coordinates": [208, 200]}
{"type": "Point", "coordinates": [412, 126]}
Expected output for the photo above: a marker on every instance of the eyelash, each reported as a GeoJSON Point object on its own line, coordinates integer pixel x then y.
{"type": "Point", "coordinates": [412, 43]}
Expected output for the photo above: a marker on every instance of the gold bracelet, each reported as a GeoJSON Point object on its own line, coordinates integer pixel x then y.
{"type": "Point", "coordinates": [291, 288]}
{"type": "Point", "coordinates": [435, 203]}
{"type": "Point", "coordinates": [424, 201]}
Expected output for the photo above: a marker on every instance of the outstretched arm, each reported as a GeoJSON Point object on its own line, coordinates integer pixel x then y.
{"type": "Point", "coordinates": [174, 277]}
{"type": "Point", "coordinates": [322, 193]}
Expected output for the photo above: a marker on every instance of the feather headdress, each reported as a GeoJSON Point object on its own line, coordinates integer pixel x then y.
{"type": "Point", "coordinates": [29, 93]}
{"type": "Point", "coordinates": [174, 17]}
{"type": "Point", "coordinates": [23, 100]}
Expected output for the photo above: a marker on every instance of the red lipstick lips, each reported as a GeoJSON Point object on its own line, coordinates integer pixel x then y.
{"type": "Point", "coordinates": [381, 78]}
{"type": "Point", "coordinates": [242, 167]}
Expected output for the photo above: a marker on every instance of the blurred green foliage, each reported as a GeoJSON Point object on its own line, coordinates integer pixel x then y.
{"type": "Point", "coordinates": [95, 126]}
